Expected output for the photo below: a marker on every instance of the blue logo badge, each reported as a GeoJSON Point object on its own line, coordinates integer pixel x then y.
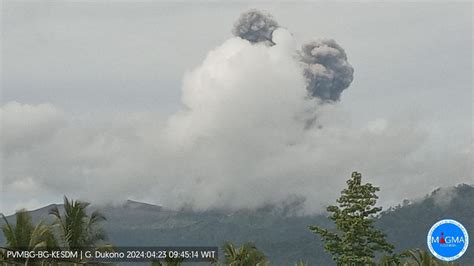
{"type": "Point", "coordinates": [448, 240]}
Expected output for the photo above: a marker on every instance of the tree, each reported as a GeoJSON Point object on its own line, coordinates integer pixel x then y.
{"type": "Point", "coordinates": [393, 260]}
{"type": "Point", "coordinates": [418, 257]}
{"type": "Point", "coordinates": [355, 240]}
{"type": "Point", "coordinates": [77, 229]}
{"type": "Point", "coordinates": [24, 235]}
{"type": "Point", "coordinates": [246, 255]}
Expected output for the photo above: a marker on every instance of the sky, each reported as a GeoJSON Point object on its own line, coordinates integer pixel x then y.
{"type": "Point", "coordinates": [159, 102]}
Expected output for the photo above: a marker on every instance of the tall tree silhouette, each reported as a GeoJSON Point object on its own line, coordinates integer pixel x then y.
{"type": "Point", "coordinates": [24, 235]}
{"type": "Point", "coordinates": [77, 229]}
{"type": "Point", "coordinates": [245, 255]}
{"type": "Point", "coordinates": [355, 240]}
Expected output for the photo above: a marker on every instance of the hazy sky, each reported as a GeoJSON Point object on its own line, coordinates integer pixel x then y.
{"type": "Point", "coordinates": [94, 104]}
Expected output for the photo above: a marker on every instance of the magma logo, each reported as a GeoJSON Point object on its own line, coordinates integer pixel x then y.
{"type": "Point", "coordinates": [448, 240]}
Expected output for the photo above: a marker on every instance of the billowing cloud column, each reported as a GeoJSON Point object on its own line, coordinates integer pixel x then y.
{"type": "Point", "coordinates": [327, 71]}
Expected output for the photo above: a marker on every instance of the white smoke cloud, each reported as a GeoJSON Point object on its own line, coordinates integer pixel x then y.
{"type": "Point", "coordinates": [232, 163]}
{"type": "Point", "coordinates": [235, 158]}
{"type": "Point", "coordinates": [443, 196]}
{"type": "Point", "coordinates": [240, 141]}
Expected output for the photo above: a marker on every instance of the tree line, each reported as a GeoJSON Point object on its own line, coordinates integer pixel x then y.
{"type": "Point", "coordinates": [354, 241]}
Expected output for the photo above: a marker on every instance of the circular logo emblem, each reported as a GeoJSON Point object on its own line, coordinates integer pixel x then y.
{"type": "Point", "coordinates": [448, 240]}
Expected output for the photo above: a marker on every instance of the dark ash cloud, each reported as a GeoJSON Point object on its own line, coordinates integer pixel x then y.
{"type": "Point", "coordinates": [328, 72]}
{"type": "Point", "coordinates": [326, 68]}
{"type": "Point", "coordinates": [255, 26]}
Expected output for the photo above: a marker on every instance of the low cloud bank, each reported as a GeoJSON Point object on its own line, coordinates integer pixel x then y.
{"type": "Point", "coordinates": [245, 137]}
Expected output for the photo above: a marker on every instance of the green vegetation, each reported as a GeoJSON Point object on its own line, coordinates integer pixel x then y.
{"type": "Point", "coordinates": [26, 236]}
{"type": "Point", "coordinates": [247, 254]}
{"type": "Point", "coordinates": [356, 241]}
{"type": "Point", "coordinates": [77, 229]}
{"type": "Point", "coordinates": [418, 257]}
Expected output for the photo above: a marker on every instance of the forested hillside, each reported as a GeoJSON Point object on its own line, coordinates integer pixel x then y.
{"type": "Point", "coordinates": [282, 236]}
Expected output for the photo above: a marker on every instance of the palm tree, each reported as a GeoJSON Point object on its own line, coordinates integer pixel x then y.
{"type": "Point", "coordinates": [246, 255]}
{"type": "Point", "coordinates": [26, 236]}
{"type": "Point", "coordinates": [18, 236]}
{"type": "Point", "coordinates": [418, 257]}
{"type": "Point", "coordinates": [77, 229]}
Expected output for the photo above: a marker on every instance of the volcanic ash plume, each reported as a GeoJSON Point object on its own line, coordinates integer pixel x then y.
{"type": "Point", "coordinates": [325, 64]}
{"type": "Point", "coordinates": [328, 72]}
{"type": "Point", "coordinates": [255, 26]}
{"type": "Point", "coordinates": [243, 140]}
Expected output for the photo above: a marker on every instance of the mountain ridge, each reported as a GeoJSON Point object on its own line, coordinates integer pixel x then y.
{"type": "Point", "coordinates": [284, 238]}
